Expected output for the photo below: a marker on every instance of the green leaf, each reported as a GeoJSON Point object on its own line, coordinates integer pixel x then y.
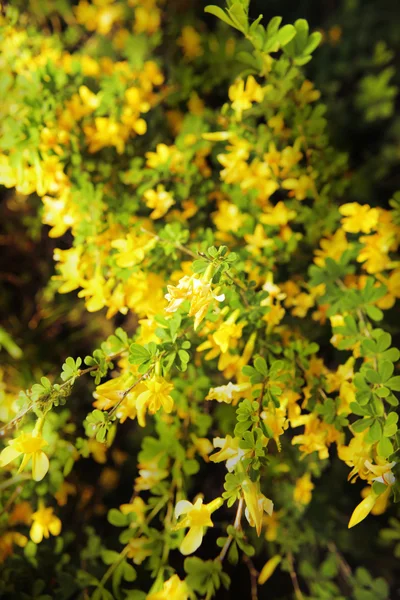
{"type": "Point", "coordinates": [117, 518]}
{"type": "Point", "coordinates": [361, 424]}
{"type": "Point", "coordinates": [313, 42]}
{"type": "Point", "coordinates": [379, 487]}
{"type": "Point", "coordinates": [374, 312]}
{"type": "Point", "coordinates": [261, 365]}
{"type": "Point", "coordinates": [138, 354]}
{"type": "Point", "coordinates": [286, 34]}
{"type": "Point", "coordinates": [394, 383]}
{"type": "Point", "coordinates": [219, 13]}
{"type": "Point", "coordinates": [385, 447]}
{"type": "Point", "coordinates": [109, 557]}
{"type": "Point", "coordinates": [239, 17]}
{"type": "Point", "coordinates": [385, 370]}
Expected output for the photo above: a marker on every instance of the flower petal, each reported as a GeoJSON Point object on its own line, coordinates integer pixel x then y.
{"type": "Point", "coordinates": [40, 465]}
{"type": "Point", "coordinates": [36, 533]}
{"type": "Point", "coordinates": [192, 540]}
{"type": "Point", "coordinates": [55, 526]}
{"type": "Point", "coordinates": [182, 507]}
{"type": "Point", "coordinates": [362, 510]}
{"type": "Point", "coordinates": [8, 454]}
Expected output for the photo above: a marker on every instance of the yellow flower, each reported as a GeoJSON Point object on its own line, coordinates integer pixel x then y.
{"type": "Point", "coordinates": [137, 550]}
{"type": "Point", "coordinates": [173, 589]}
{"type": "Point", "coordinates": [228, 217]}
{"type": "Point", "coordinates": [242, 96]}
{"type": "Point", "coordinates": [271, 523]}
{"type": "Point", "coordinates": [147, 20]}
{"type": "Point", "coordinates": [30, 445]}
{"type": "Point", "coordinates": [150, 473]}
{"type": "Point", "coordinates": [268, 569]}
{"type": "Point", "coordinates": [138, 507]}
{"type": "Point", "coordinates": [161, 156]}
{"type": "Point", "coordinates": [363, 509]}
{"type": "Point", "coordinates": [256, 504]}
{"type": "Point", "coordinates": [230, 451]}
{"type": "Point", "coordinates": [155, 396]}
{"type": "Point", "coordinates": [307, 93]}
{"type": "Point", "coordinates": [21, 513]}
{"type": "Point", "coordinates": [355, 455]}
{"type": "Point", "coordinates": [190, 42]}
{"type": "Point", "coordinates": [68, 269]}
{"type": "Point", "coordinates": [63, 492]}
{"type": "Point", "coordinates": [275, 419]}
{"type": "Point", "coordinates": [197, 516]}
{"type": "Point", "coordinates": [104, 132]}
{"type": "Point", "coordinates": [228, 393]}
{"type": "Point", "coordinates": [302, 491]}
{"type": "Point", "coordinates": [198, 291]}
{"type": "Point", "coordinates": [109, 393]}
{"type": "Point", "coordinates": [44, 523]}
{"type": "Point", "coordinates": [332, 247]}
{"type": "Point", "coordinates": [7, 541]}
{"type": "Point", "coordinates": [298, 187]}
{"type": "Point", "coordinates": [160, 200]}
{"type": "Point", "coordinates": [315, 436]}
{"type": "Point", "coordinates": [359, 217]}
{"type": "Point", "coordinates": [132, 249]}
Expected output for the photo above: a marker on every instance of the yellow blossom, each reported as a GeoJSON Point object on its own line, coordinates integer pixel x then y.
{"type": "Point", "coordinates": [243, 95]}
{"type": "Point", "coordinates": [358, 217]}
{"type": "Point", "coordinates": [21, 513]}
{"type": "Point", "coordinates": [298, 187]}
{"type": "Point", "coordinates": [256, 504]}
{"type": "Point", "coordinates": [132, 249]}
{"type": "Point", "coordinates": [44, 523]}
{"type": "Point", "coordinates": [198, 291]}
{"type": "Point", "coordinates": [315, 436]}
{"type": "Point", "coordinates": [228, 393]}
{"type": "Point", "coordinates": [66, 489]}
{"type": "Point", "coordinates": [332, 247]}
{"type": "Point", "coordinates": [147, 20]}
{"type": "Point", "coordinates": [150, 473]}
{"type": "Point", "coordinates": [137, 507]}
{"type": "Point", "coordinates": [155, 396]}
{"type": "Point", "coordinates": [229, 452]}
{"type": "Point", "coordinates": [268, 569]}
{"type": "Point", "coordinates": [173, 589]}
{"type": "Point", "coordinates": [275, 419]}
{"type": "Point", "coordinates": [7, 541]}
{"type": "Point", "coordinates": [197, 517]}
{"type": "Point", "coordinates": [228, 217]}
{"type": "Point", "coordinates": [355, 455]}
{"type": "Point", "coordinates": [30, 445]}
{"type": "Point", "coordinates": [302, 491]}
{"type": "Point", "coordinates": [160, 200]}
{"type": "Point", "coordinates": [137, 550]}
{"type": "Point", "coordinates": [363, 509]}
{"type": "Point", "coordinates": [190, 42]}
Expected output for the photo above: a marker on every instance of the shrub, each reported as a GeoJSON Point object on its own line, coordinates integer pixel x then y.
{"type": "Point", "coordinates": [186, 173]}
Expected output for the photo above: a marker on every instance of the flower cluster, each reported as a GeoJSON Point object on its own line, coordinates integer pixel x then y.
{"type": "Point", "coordinates": [188, 183]}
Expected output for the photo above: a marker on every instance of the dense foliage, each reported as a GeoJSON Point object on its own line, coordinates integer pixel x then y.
{"type": "Point", "coordinates": [228, 391]}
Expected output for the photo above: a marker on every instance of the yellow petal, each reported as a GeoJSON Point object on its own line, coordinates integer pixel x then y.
{"type": "Point", "coordinates": [362, 510]}
{"type": "Point", "coordinates": [182, 507]}
{"type": "Point", "coordinates": [269, 568]}
{"type": "Point", "coordinates": [55, 526]}
{"type": "Point", "coordinates": [192, 540]}
{"type": "Point", "coordinates": [40, 465]}
{"type": "Point", "coordinates": [7, 455]}
{"type": "Point", "coordinates": [24, 462]}
{"type": "Point", "coordinates": [36, 533]}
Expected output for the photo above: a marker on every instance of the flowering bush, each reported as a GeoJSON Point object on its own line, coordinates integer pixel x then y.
{"type": "Point", "coordinates": [243, 392]}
